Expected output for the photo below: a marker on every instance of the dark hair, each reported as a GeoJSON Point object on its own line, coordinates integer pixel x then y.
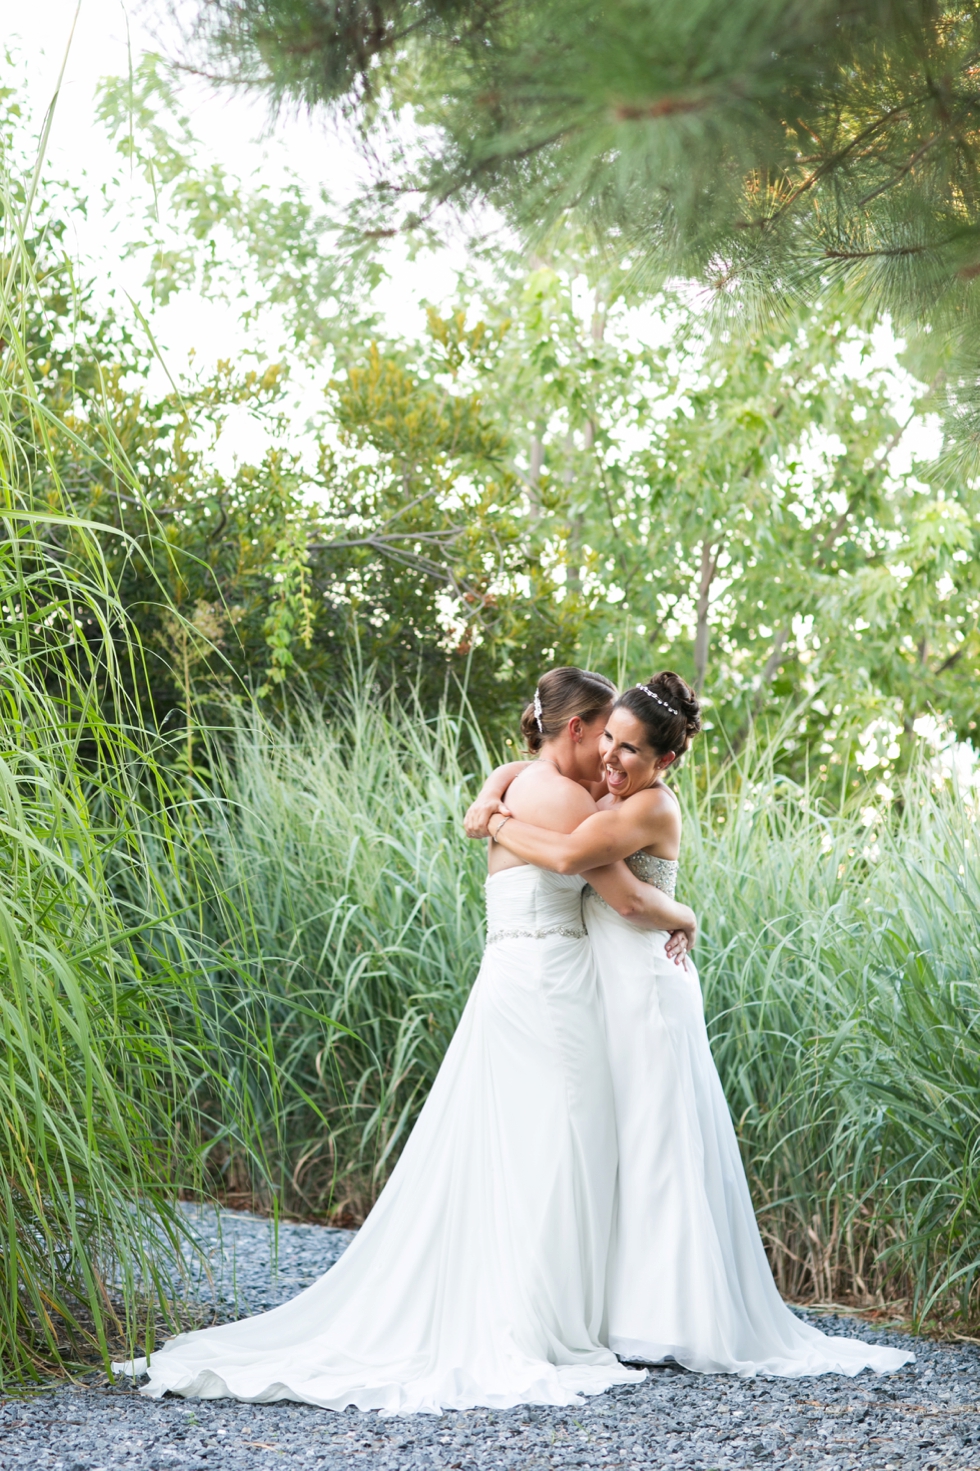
{"type": "Point", "coordinates": [668, 709]}
{"type": "Point", "coordinates": [562, 694]}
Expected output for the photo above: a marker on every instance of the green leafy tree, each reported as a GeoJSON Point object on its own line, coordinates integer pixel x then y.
{"type": "Point", "coordinates": [274, 250]}
{"type": "Point", "coordinates": [406, 540]}
{"type": "Point", "coordinates": [733, 499]}
{"type": "Point", "coordinates": [536, 476]}
{"type": "Point", "coordinates": [429, 546]}
{"type": "Point", "coordinates": [390, 530]}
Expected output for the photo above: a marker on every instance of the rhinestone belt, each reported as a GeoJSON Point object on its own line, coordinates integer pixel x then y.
{"type": "Point", "coordinates": [570, 932]}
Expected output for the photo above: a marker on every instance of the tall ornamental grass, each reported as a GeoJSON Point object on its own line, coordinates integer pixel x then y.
{"type": "Point", "coordinates": [105, 1018]}
{"type": "Point", "coordinates": [340, 920]}
{"type": "Point", "coordinates": [90, 1068]}
{"type": "Point", "coordinates": [83, 1044]}
{"type": "Point", "coordinates": [841, 968]}
{"type": "Point", "coordinates": [839, 961]}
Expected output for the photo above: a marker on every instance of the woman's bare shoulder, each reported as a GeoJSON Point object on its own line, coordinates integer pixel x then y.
{"type": "Point", "coordinates": [660, 796]}
{"type": "Point", "coordinates": [543, 797]}
{"type": "Point", "coordinates": [660, 805]}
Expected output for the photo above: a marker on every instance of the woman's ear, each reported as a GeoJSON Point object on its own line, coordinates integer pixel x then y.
{"type": "Point", "coordinates": [576, 728]}
{"type": "Point", "coordinates": [668, 760]}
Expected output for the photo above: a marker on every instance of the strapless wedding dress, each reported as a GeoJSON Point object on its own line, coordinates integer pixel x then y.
{"type": "Point", "coordinates": [689, 1279]}
{"type": "Point", "coordinates": [479, 1276]}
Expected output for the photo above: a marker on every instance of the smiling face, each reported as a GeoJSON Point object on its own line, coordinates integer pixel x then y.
{"type": "Point", "coordinates": [630, 764]}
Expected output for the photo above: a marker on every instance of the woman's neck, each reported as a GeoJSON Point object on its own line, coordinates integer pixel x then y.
{"type": "Point", "coordinates": [560, 755]}
{"type": "Point", "coordinates": [658, 781]}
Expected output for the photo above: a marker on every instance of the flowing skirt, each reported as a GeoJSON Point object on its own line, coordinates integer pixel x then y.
{"type": "Point", "coordinates": [479, 1276]}
{"type": "Point", "coordinates": [689, 1278]}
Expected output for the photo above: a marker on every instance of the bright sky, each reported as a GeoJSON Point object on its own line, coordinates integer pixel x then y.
{"type": "Point", "coordinates": [232, 127]}
{"type": "Point", "coordinates": [236, 131]}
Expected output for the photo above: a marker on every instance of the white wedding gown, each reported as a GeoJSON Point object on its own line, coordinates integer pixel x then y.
{"type": "Point", "coordinates": [479, 1276]}
{"type": "Point", "coordinates": [689, 1277]}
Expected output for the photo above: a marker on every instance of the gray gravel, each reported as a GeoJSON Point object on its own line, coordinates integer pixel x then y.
{"type": "Point", "coordinates": [244, 1271]}
{"type": "Point", "coordinates": [927, 1415]}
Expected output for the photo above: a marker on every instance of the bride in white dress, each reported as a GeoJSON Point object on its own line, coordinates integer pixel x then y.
{"type": "Point", "coordinates": [479, 1277]}
{"type": "Point", "coordinates": [689, 1279]}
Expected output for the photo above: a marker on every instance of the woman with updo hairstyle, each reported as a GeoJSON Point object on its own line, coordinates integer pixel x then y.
{"type": "Point", "coordinates": [690, 1281]}
{"type": "Point", "coordinates": [669, 711]}
{"type": "Point", "coordinates": [561, 695]}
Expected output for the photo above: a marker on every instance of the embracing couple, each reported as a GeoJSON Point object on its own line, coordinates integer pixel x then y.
{"type": "Point", "coordinates": [571, 1201]}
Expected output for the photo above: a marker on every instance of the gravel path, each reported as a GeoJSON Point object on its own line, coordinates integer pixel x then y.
{"type": "Point", "coordinates": [927, 1415]}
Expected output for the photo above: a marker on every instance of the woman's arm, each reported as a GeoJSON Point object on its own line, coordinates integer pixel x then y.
{"type": "Point", "coordinates": [489, 798]}
{"type": "Point", "coordinates": [643, 904]}
{"type": "Point", "coordinates": [613, 833]}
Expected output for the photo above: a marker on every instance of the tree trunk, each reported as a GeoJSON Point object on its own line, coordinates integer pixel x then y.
{"type": "Point", "coordinates": [576, 530]}
{"type": "Point", "coordinates": [772, 663]}
{"type": "Point", "coordinates": [768, 675]}
{"type": "Point", "coordinates": [709, 566]}
{"type": "Point", "coordinates": [537, 465]}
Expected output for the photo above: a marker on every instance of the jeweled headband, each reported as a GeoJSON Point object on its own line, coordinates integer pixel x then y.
{"type": "Point", "coordinates": [647, 691]}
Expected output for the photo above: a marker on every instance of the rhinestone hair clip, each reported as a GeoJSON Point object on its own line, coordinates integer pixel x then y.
{"type": "Point", "coordinates": [647, 691]}
{"type": "Point", "coordinates": [537, 712]}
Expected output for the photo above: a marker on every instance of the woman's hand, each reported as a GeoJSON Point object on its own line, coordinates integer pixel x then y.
{"type": "Point", "coordinates": [676, 948]}
{"type": "Point", "coordinates": [490, 798]}
{"type": "Point", "coordinates": [688, 928]}
{"type": "Point", "coordinates": [476, 822]}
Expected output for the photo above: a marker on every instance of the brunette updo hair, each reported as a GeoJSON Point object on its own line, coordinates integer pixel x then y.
{"type": "Point", "coordinates": [668, 709]}
{"type": "Point", "coordinates": [560, 696]}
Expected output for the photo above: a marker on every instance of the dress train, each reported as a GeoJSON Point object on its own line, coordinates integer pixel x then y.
{"type": "Point", "coordinates": [479, 1276]}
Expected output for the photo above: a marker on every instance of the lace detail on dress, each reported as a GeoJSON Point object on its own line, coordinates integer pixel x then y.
{"type": "Point", "coordinates": [660, 872]}
{"type": "Point", "coordinates": [570, 931]}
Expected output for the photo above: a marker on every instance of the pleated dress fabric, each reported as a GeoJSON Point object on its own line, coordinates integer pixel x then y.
{"type": "Point", "coordinates": [479, 1276]}
{"type": "Point", "coordinates": [689, 1278]}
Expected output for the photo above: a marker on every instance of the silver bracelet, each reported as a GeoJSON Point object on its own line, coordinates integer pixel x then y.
{"type": "Point", "coordinates": [494, 836]}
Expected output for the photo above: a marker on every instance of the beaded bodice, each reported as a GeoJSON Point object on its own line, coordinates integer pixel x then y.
{"type": "Point", "coordinates": [661, 872]}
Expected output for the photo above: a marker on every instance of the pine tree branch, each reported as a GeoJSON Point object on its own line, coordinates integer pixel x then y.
{"type": "Point", "coordinates": [903, 172]}
{"type": "Point", "coordinates": [827, 167]}
{"type": "Point", "coordinates": [890, 252]}
{"type": "Point", "coordinates": [627, 112]}
{"type": "Point", "coordinates": [830, 165]}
